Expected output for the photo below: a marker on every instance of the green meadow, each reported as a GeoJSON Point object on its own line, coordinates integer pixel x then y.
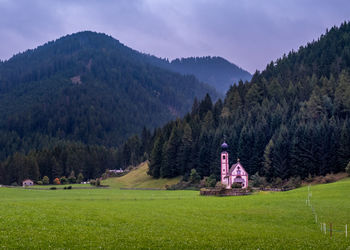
{"type": "Point", "coordinates": [138, 178]}
{"type": "Point", "coordinates": [125, 219]}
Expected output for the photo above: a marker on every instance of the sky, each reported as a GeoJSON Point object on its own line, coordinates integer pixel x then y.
{"type": "Point", "coordinates": [249, 33]}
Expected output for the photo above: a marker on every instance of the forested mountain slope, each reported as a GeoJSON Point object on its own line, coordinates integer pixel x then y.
{"type": "Point", "coordinates": [215, 71]}
{"type": "Point", "coordinates": [82, 89]}
{"type": "Point", "coordinates": [88, 87]}
{"type": "Point", "coordinates": [292, 119]}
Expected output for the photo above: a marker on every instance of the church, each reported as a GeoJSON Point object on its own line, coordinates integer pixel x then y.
{"type": "Point", "coordinates": [235, 174]}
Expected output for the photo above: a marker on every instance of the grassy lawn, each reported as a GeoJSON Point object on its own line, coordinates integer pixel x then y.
{"type": "Point", "coordinates": [138, 178]}
{"type": "Point", "coordinates": [113, 218]}
{"type": "Point", "coordinates": [59, 186]}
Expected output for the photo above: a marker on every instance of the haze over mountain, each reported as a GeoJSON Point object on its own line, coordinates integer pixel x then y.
{"type": "Point", "coordinates": [216, 71]}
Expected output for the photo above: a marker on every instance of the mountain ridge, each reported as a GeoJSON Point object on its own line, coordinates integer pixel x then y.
{"type": "Point", "coordinates": [87, 85]}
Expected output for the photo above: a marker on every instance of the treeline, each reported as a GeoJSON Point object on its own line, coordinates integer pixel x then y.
{"type": "Point", "coordinates": [292, 119]}
{"type": "Point", "coordinates": [58, 161]}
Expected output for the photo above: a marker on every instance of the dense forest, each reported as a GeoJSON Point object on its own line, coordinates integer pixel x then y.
{"type": "Point", "coordinates": [292, 119]}
{"type": "Point", "coordinates": [215, 71]}
{"type": "Point", "coordinates": [87, 88]}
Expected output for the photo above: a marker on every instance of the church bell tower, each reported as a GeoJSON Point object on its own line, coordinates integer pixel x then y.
{"type": "Point", "coordinates": [224, 164]}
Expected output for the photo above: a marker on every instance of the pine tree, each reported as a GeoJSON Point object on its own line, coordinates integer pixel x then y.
{"type": "Point", "coordinates": [156, 158]}
{"type": "Point", "coordinates": [344, 145]}
{"type": "Point", "coordinates": [184, 153]}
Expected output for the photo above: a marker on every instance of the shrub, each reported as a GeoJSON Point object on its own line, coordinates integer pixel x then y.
{"type": "Point", "coordinates": [69, 187]}
{"type": "Point", "coordinates": [210, 181]}
{"type": "Point", "coordinates": [329, 178]}
{"type": "Point", "coordinates": [72, 179]}
{"type": "Point", "coordinates": [194, 176]}
{"type": "Point", "coordinates": [80, 178]}
{"type": "Point", "coordinates": [220, 186]}
{"type": "Point", "coordinates": [39, 182]}
{"type": "Point", "coordinates": [98, 182]}
{"type": "Point", "coordinates": [236, 185]}
{"type": "Point", "coordinates": [53, 188]}
{"type": "Point", "coordinates": [277, 183]}
{"type": "Point", "coordinates": [347, 169]}
{"type": "Point", "coordinates": [293, 182]}
{"type": "Point", "coordinates": [105, 175]}
{"type": "Point", "coordinates": [14, 184]}
{"type": "Point", "coordinates": [93, 182]}
{"type": "Point", "coordinates": [257, 180]}
{"type": "Point", "coordinates": [64, 180]}
{"type": "Point", "coordinates": [46, 180]}
{"type": "Point", "coordinates": [56, 181]}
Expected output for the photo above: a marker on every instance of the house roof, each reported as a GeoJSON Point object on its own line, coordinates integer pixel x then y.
{"type": "Point", "coordinates": [27, 180]}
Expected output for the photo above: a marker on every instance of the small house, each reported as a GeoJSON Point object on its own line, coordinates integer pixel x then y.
{"type": "Point", "coordinates": [116, 171]}
{"type": "Point", "coordinates": [27, 182]}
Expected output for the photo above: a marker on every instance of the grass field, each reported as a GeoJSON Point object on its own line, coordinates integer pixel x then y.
{"type": "Point", "coordinates": [113, 218]}
{"type": "Point", "coordinates": [138, 178]}
{"type": "Point", "coordinates": [59, 186]}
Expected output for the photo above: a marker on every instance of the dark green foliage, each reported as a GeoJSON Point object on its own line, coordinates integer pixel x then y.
{"type": "Point", "coordinates": [194, 176]}
{"type": "Point", "coordinates": [71, 178]}
{"type": "Point", "coordinates": [211, 181]}
{"type": "Point", "coordinates": [98, 182]}
{"type": "Point", "coordinates": [46, 180]}
{"type": "Point", "coordinates": [54, 162]}
{"type": "Point", "coordinates": [80, 178]}
{"type": "Point", "coordinates": [64, 180]}
{"type": "Point", "coordinates": [236, 185]}
{"type": "Point", "coordinates": [292, 120]}
{"type": "Point", "coordinates": [347, 169]}
{"type": "Point", "coordinates": [90, 88]}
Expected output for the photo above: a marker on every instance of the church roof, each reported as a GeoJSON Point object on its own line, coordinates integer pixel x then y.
{"type": "Point", "coordinates": [224, 146]}
{"type": "Point", "coordinates": [238, 164]}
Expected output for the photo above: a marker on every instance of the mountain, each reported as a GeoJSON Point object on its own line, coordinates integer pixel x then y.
{"type": "Point", "coordinates": [216, 71]}
{"type": "Point", "coordinates": [292, 120]}
{"type": "Point", "coordinates": [89, 87]}
{"type": "Point", "coordinates": [65, 105]}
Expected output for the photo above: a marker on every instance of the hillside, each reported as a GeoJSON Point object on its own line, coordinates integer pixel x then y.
{"type": "Point", "coordinates": [138, 178]}
{"type": "Point", "coordinates": [292, 120]}
{"type": "Point", "coordinates": [87, 87]}
{"type": "Point", "coordinates": [216, 71]}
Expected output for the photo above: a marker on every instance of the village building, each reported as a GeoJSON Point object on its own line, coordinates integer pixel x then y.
{"type": "Point", "coordinates": [235, 174]}
{"type": "Point", "coordinates": [27, 182]}
{"type": "Point", "coordinates": [116, 171]}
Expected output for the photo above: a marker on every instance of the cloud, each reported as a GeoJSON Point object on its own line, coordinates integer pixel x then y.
{"type": "Point", "coordinates": [248, 33]}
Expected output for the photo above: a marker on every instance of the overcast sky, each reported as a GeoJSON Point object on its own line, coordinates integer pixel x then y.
{"type": "Point", "coordinates": [249, 33]}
